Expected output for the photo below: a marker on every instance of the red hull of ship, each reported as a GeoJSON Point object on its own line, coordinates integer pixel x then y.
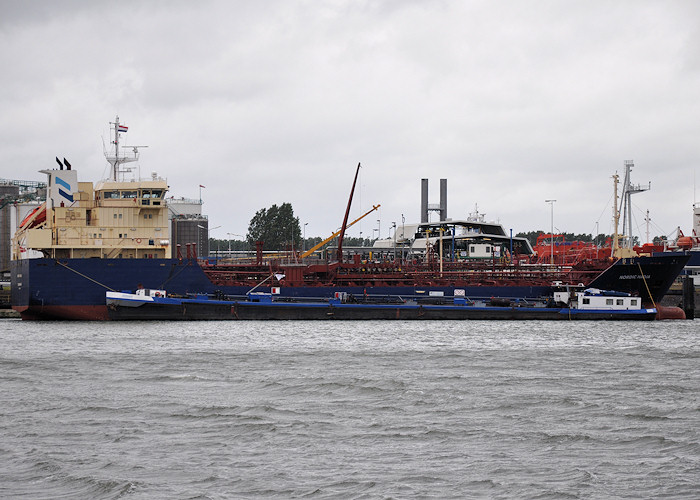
{"type": "Point", "coordinates": [82, 313]}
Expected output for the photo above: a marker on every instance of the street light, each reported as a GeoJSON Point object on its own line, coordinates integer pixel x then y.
{"type": "Point", "coordinates": [551, 232]}
{"type": "Point", "coordinates": [303, 243]}
{"type": "Point", "coordinates": [596, 239]}
{"type": "Point", "coordinates": [208, 229]}
{"type": "Point", "coordinates": [199, 238]}
{"type": "Point", "coordinates": [229, 241]}
{"type": "Point", "coordinates": [403, 234]}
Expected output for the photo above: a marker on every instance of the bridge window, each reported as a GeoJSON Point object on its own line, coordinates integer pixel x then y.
{"type": "Point", "coordinates": [154, 194]}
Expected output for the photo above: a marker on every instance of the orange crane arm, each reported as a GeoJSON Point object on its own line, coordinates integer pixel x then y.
{"type": "Point", "coordinates": [319, 245]}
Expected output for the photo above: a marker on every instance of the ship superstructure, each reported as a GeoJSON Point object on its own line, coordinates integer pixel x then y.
{"type": "Point", "coordinates": [121, 217]}
{"type": "Point", "coordinates": [469, 238]}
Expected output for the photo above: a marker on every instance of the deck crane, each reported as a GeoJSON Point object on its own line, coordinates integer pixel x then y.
{"type": "Point", "coordinates": [319, 245]}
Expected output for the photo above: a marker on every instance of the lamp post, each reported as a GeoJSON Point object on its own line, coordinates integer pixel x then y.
{"type": "Point", "coordinates": [596, 240]}
{"type": "Point", "coordinates": [199, 238]}
{"type": "Point", "coordinates": [303, 243]}
{"type": "Point", "coordinates": [551, 231]}
{"type": "Point", "coordinates": [229, 241]}
{"type": "Point", "coordinates": [208, 230]}
{"type": "Point", "coordinates": [403, 234]}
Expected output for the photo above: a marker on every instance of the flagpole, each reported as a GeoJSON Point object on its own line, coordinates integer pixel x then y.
{"type": "Point", "coordinates": [116, 147]}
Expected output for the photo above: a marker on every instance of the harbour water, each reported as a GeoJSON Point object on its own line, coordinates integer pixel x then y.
{"type": "Point", "coordinates": [350, 410]}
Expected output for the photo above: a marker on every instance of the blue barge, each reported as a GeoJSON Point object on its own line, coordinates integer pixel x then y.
{"type": "Point", "coordinates": [588, 305]}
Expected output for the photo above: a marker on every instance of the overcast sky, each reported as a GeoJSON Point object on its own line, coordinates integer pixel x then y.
{"type": "Point", "coordinates": [266, 102]}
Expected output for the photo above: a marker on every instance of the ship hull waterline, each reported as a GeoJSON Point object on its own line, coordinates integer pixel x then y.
{"type": "Point", "coordinates": [75, 288]}
{"type": "Point", "coordinates": [251, 310]}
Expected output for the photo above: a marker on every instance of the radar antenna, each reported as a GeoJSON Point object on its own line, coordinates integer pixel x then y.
{"type": "Point", "coordinates": [114, 158]}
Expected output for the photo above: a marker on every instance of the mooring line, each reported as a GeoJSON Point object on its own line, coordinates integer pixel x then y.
{"type": "Point", "coordinates": [646, 285]}
{"type": "Point", "coordinates": [84, 276]}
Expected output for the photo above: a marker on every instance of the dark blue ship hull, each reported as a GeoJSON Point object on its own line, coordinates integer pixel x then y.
{"type": "Point", "coordinates": [75, 288]}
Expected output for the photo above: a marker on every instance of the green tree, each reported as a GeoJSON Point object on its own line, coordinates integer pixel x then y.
{"type": "Point", "coordinates": [532, 236]}
{"type": "Point", "coordinates": [356, 242]}
{"type": "Point", "coordinates": [276, 226]}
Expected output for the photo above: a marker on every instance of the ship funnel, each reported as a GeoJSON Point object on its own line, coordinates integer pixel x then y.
{"type": "Point", "coordinates": [60, 165]}
{"type": "Point", "coordinates": [66, 162]}
{"type": "Point", "coordinates": [425, 207]}
{"type": "Point", "coordinates": [443, 199]}
{"type": "Point", "coordinates": [423, 200]}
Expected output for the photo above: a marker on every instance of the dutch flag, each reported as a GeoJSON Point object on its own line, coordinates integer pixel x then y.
{"type": "Point", "coordinates": [122, 128]}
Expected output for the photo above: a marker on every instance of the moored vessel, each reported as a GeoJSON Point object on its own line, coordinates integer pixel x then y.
{"type": "Point", "coordinates": [114, 236]}
{"type": "Point", "coordinates": [589, 304]}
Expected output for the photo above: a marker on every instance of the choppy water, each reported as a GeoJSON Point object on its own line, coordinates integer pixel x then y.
{"type": "Point", "coordinates": [350, 410]}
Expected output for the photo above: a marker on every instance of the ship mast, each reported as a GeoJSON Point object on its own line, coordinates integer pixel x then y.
{"type": "Point", "coordinates": [616, 218]}
{"type": "Point", "coordinates": [647, 220]}
{"type": "Point", "coordinates": [625, 207]}
{"type": "Point", "coordinates": [628, 190]}
{"type": "Point", "coordinates": [114, 159]}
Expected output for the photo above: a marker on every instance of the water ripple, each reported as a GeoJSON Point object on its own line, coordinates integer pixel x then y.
{"type": "Point", "coordinates": [350, 409]}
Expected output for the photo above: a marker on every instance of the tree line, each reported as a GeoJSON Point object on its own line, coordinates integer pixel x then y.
{"type": "Point", "coordinates": [587, 237]}
{"type": "Point", "coordinates": [600, 239]}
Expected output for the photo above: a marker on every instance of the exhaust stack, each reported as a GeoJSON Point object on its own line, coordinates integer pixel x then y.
{"type": "Point", "coordinates": [426, 207]}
